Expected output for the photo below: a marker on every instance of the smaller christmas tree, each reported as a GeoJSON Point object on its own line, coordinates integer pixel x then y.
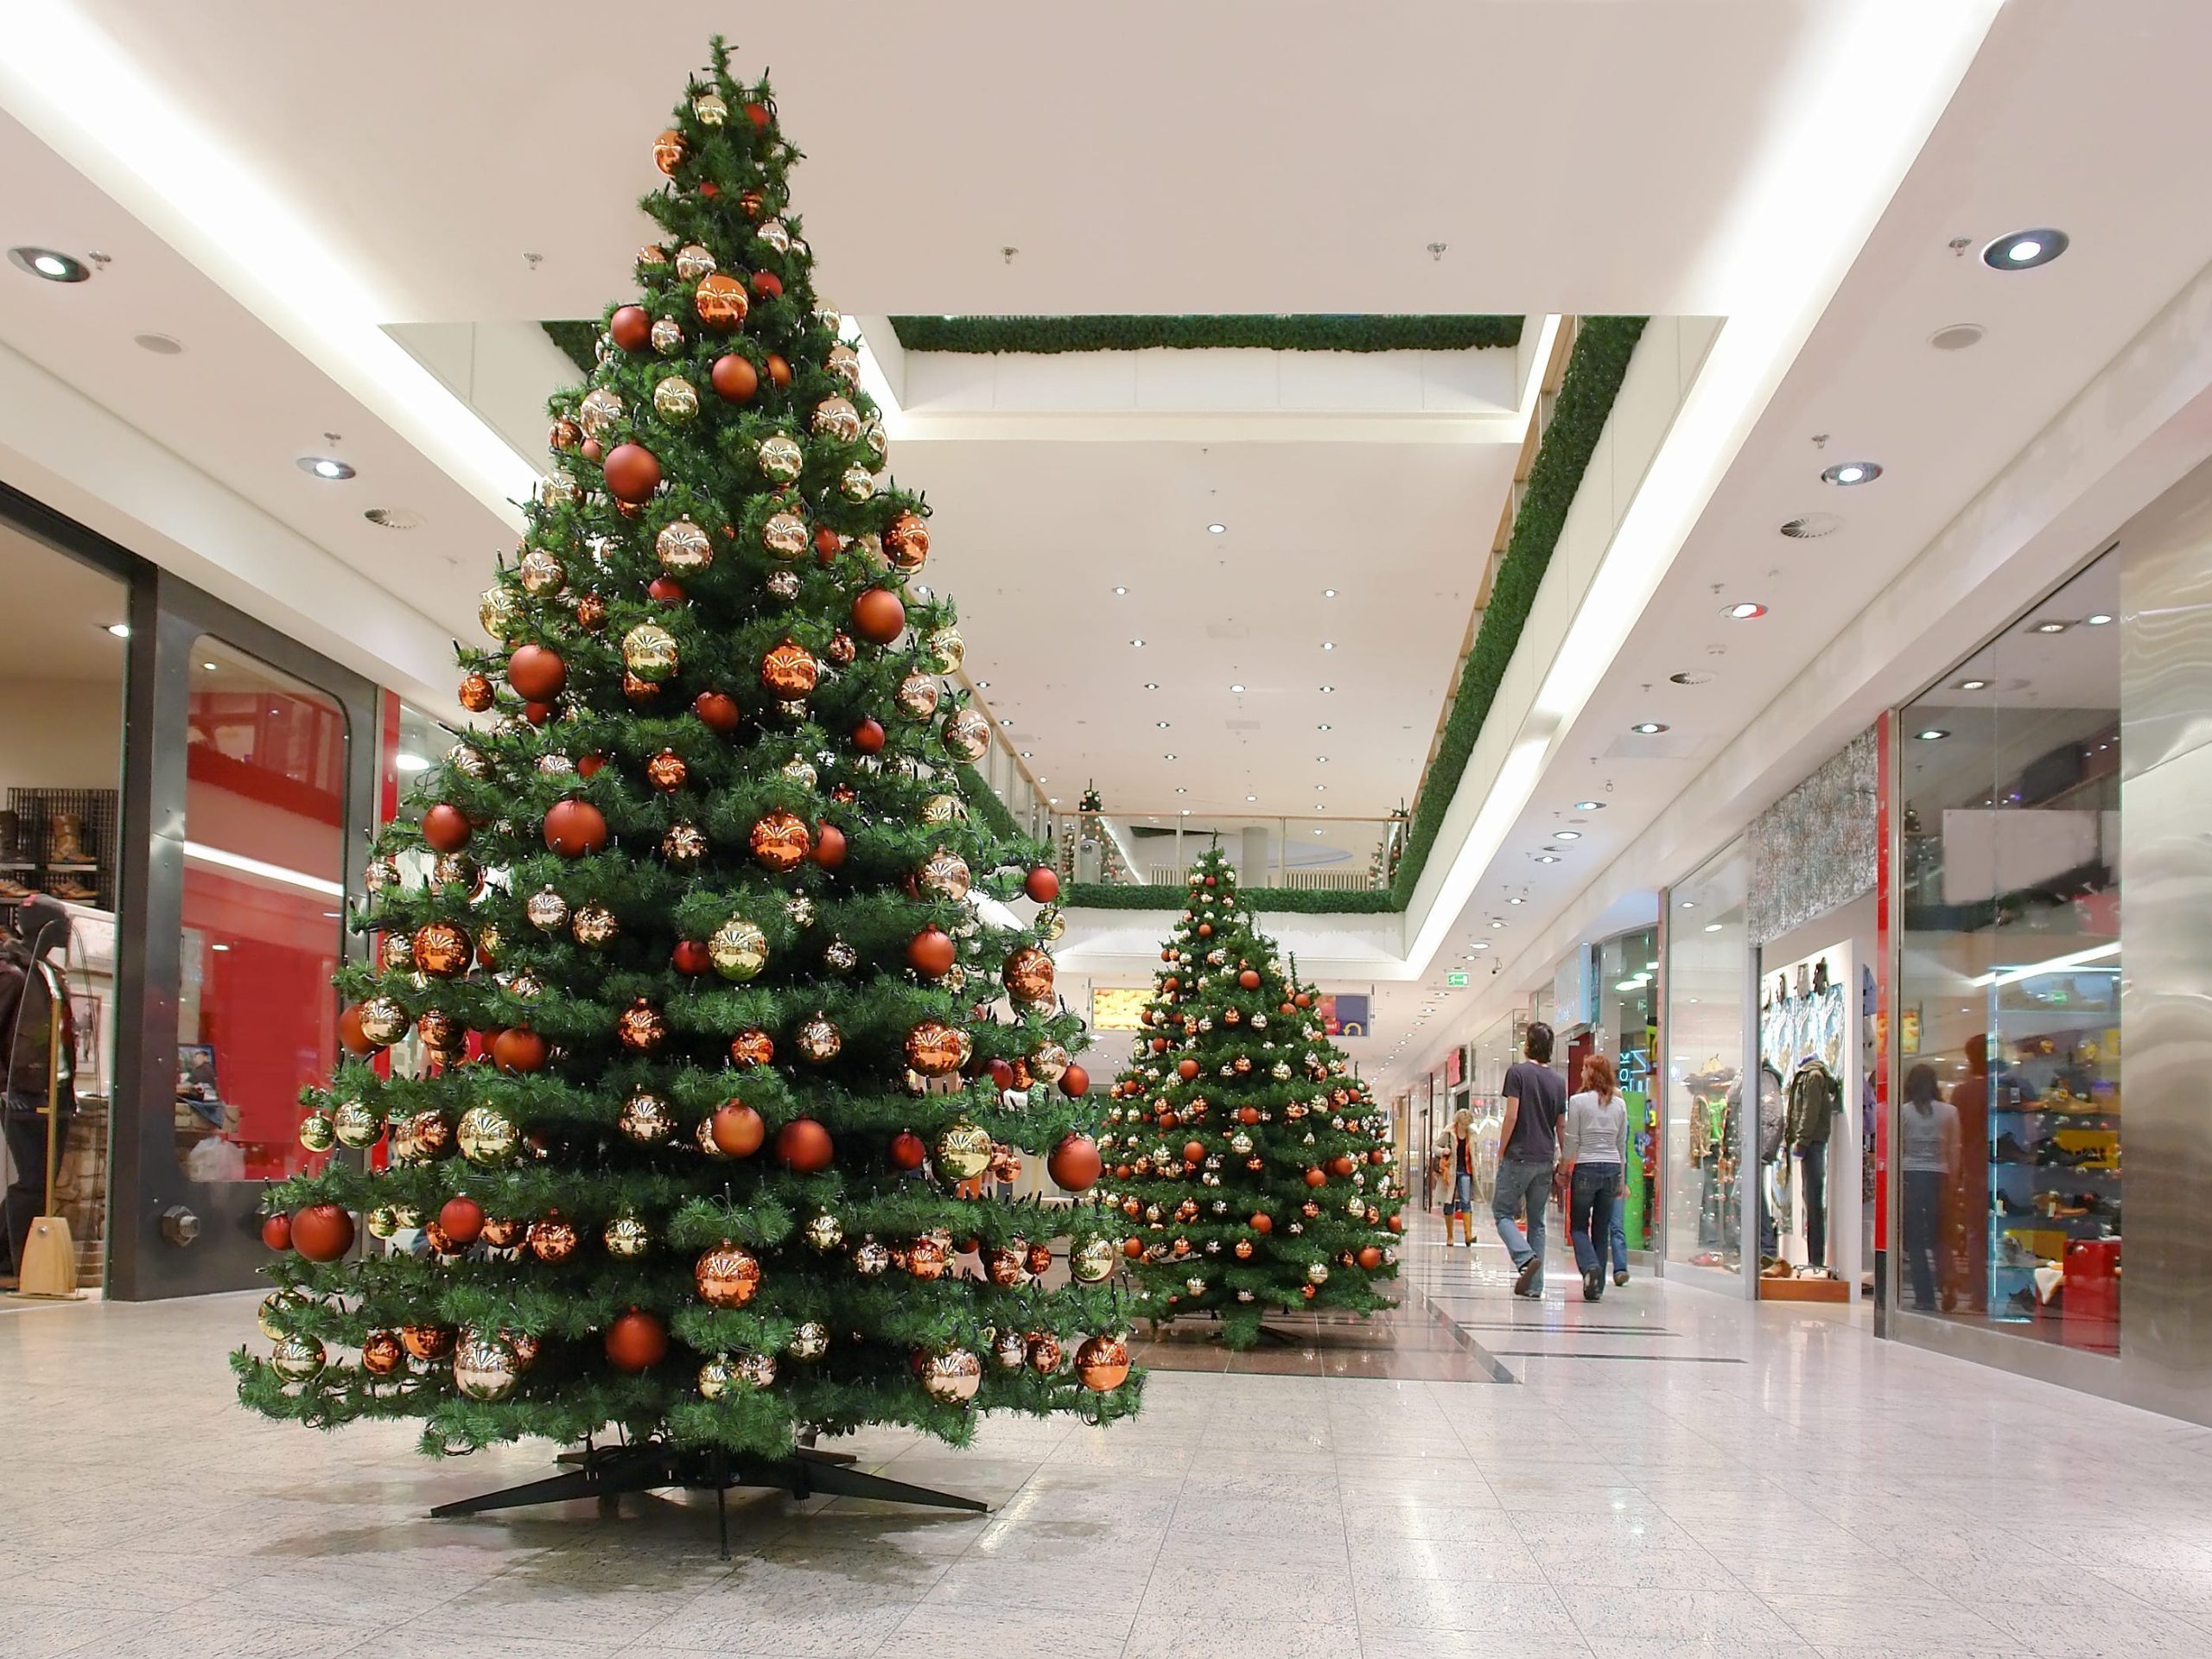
{"type": "Point", "coordinates": [1254, 1167]}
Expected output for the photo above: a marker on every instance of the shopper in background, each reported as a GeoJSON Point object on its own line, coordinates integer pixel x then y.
{"type": "Point", "coordinates": [1594, 1139]}
{"type": "Point", "coordinates": [1456, 1152]}
{"type": "Point", "coordinates": [32, 992]}
{"type": "Point", "coordinates": [1527, 1150]}
{"type": "Point", "coordinates": [1930, 1140]}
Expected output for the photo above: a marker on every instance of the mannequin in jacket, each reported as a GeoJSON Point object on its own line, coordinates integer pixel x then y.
{"type": "Point", "coordinates": [32, 988]}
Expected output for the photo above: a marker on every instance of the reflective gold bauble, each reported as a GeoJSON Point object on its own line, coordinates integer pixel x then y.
{"type": "Point", "coordinates": [626, 1236]}
{"type": "Point", "coordinates": [782, 584]}
{"type": "Point", "coordinates": [487, 1137]}
{"type": "Point", "coordinates": [552, 1239]}
{"type": "Point", "coordinates": [316, 1133]}
{"type": "Point", "coordinates": [649, 653]}
{"type": "Point", "coordinates": [383, 1022]}
{"type": "Point", "coordinates": [1045, 1352]}
{"type": "Point", "coordinates": [676, 399]}
{"type": "Point", "coordinates": [752, 1046]}
{"type": "Point", "coordinates": [927, 1259]}
{"type": "Point", "coordinates": [716, 1378]}
{"type": "Point", "coordinates": [784, 535]}
{"type": "Point", "coordinates": [355, 1125]}
{"type": "Point", "coordinates": [595, 926]}
{"type": "Point", "coordinates": [382, 1222]}
{"type": "Point", "coordinates": [558, 490]}
{"type": "Point", "coordinates": [739, 948]}
{"type": "Point", "coordinates": [1317, 1272]}
{"type": "Point", "coordinates": [684, 846]}
{"type": "Point", "coordinates": [947, 650]}
{"type": "Point", "coordinates": [952, 1377]}
{"type": "Point", "coordinates": [720, 302]}
{"type": "Point", "coordinates": [652, 256]}
{"type": "Point", "coordinates": [1003, 1267]}
{"type": "Point", "coordinates": [296, 1359]}
{"type": "Point", "coordinates": [944, 809]}
{"type": "Point", "coordinates": [708, 110]}
{"type": "Point", "coordinates": [591, 613]}
{"type": "Point", "coordinates": [878, 443]}
{"type": "Point", "coordinates": [667, 336]}
{"type": "Point", "coordinates": [1051, 923]}
{"type": "Point", "coordinates": [837, 419]}
{"type": "Point", "coordinates": [754, 1370]}
{"type": "Point", "coordinates": [469, 761]}
{"type": "Point", "coordinates": [780, 841]}
{"type": "Point", "coordinates": [1027, 975]}
{"type": "Point", "coordinates": [800, 773]}
{"type": "Point", "coordinates": [693, 262]}
{"type": "Point", "coordinates": [1009, 1350]}
{"type": "Point", "coordinates": [824, 1231]}
{"type": "Point", "coordinates": [775, 236]}
{"type": "Point", "coordinates": [809, 1341]}
{"type": "Point", "coordinates": [545, 910]}
{"type": "Point", "coordinates": [683, 547]}
{"type": "Point", "coordinates": [496, 613]}
{"type": "Point", "coordinates": [870, 1258]}
{"type": "Point", "coordinates": [789, 670]}
{"type": "Point", "coordinates": [779, 458]}
{"type": "Point", "coordinates": [818, 1040]}
{"type": "Point", "coordinates": [1051, 1062]}
{"type": "Point", "coordinates": [504, 1233]}
{"type": "Point", "coordinates": [442, 949]}
{"type": "Point", "coordinates": [380, 872]}
{"type": "Point", "coordinates": [601, 412]}
{"type": "Point", "coordinates": [457, 870]}
{"type": "Point", "coordinates": [967, 734]}
{"type": "Point", "coordinates": [667, 771]}
{"type": "Point", "coordinates": [842, 650]}
{"type": "Point", "coordinates": [906, 543]}
{"type": "Point", "coordinates": [727, 1275]}
{"type": "Point", "coordinates": [943, 875]}
{"type": "Point", "coordinates": [381, 1354]}
{"type": "Point", "coordinates": [840, 957]}
{"type": "Point", "coordinates": [1103, 1364]}
{"type": "Point", "coordinates": [428, 1342]}
{"type": "Point", "coordinates": [844, 366]}
{"type": "Point", "coordinates": [541, 572]}
{"type": "Point", "coordinates": [670, 151]}
{"type": "Point", "coordinates": [937, 1050]}
{"type": "Point", "coordinates": [646, 1119]}
{"type": "Point", "coordinates": [918, 695]}
{"type": "Point", "coordinates": [428, 1135]}
{"type": "Point", "coordinates": [484, 1366]}
{"type": "Point", "coordinates": [641, 1027]}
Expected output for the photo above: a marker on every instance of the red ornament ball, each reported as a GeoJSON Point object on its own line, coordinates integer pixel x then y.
{"type": "Point", "coordinates": [518, 1049]}
{"type": "Point", "coordinates": [737, 1128]}
{"type": "Point", "coordinates": [462, 1217]}
{"type": "Point", "coordinates": [690, 958]}
{"type": "Point", "coordinates": [633, 473]}
{"type": "Point", "coordinates": [1186, 1070]}
{"type": "Point", "coordinates": [323, 1232]}
{"type": "Point", "coordinates": [1370, 1258]}
{"type": "Point", "coordinates": [930, 952]}
{"type": "Point", "coordinates": [665, 590]}
{"type": "Point", "coordinates": [779, 372]}
{"type": "Point", "coordinates": [803, 1147]}
{"type": "Point", "coordinates": [878, 616]}
{"type": "Point", "coordinates": [829, 846]}
{"type": "Point", "coordinates": [1075, 1082]}
{"type": "Point", "coordinates": [1250, 979]}
{"type": "Point", "coordinates": [637, 1342]}
{"type": "Point", "coordinates": [717, 711]}
{"type": "Point", "coordinates": [445, 828]}
{"type": "Point", "coordinates": [351, 1037]}
{"type": "Point", "coordinates": [1075, 1163]}
{"type": "Point", "coordinates": [735, 378]}
{"type": "Point", "coordinates": [1316, 1177]}
{"type": "Point", "coordinates": [1262, 1223]}
{"type": "Point", "coordinates": [758, 115]}
{"type": "Point", "coordinates": [537, 713]}
{"type": "Point", "coordinates": [276, 1233]}
{"type": "Point", "coordinates": [767, 284]}
{"type": "Point", "coordinates": [1001, 1075]}
{"type": "Point", "coordinates": [827, 544]}
{"type": "Point", "coordinates": [867, 736]}
{"type": "Point", "coordinates": [575, 828]}
{"type": "Point", "coordinates": [1304, 1000]}
{"type": "Point", "coordinates": [1340, 1165]}
{"type": "Point", "coordinates": [1194, 1151]}
{"type": "Point", "coordinates": [1043, 885]}
{"type": "Point", "coordinates": [536, 673]}
{"type": "Point", "coordinates": [589, 765]}
{"type": "Point", "coordinates": [631, 328]}
{"type": "Point", "coordinates": [907, 1151]}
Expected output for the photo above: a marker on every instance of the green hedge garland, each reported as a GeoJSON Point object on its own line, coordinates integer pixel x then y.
{"type": "Point", "coordinates": [1292, 333]}
{"type": "Point", "coordinates": [1099, 895]}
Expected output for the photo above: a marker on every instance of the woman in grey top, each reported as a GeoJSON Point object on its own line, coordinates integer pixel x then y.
{"type": "Point", "coordinates": [1593, 1136]}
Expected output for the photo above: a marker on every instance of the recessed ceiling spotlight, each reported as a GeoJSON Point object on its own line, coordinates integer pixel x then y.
{"type": "Point", "coordinates": [1320, 785]}
{"type": "Point", "coordinates": [210, 667]}
{"type": "Point", "coordinates": [1689, 904]}
{"type": "Point", "coordinates": [2024, 250]}
{"type": "Point", "coordinates": [1567, 834]}
{"type": "Point", "coordinates": [159, 344]}
{"type": "Point", "coordinates": [1235, 688]}
{"type": "Point", "coordinates": [1007, 721]}
{"type": "Point", "coordinates": [1320, 806]}
{"type": "Point", "coordinates": [45, 262]}
{"type": "Point", "coordinates": [1328, 645]}
{"type": "Point", "coordinates": [1496, 921]}
{"type": "Point", "coordinates": [1167, 757]}
{"type": "Point", "coordinates": [1215, 529]}
{"type": "Point", "coordinates": [1547, 858]}
{"type": "Point", "coordinates": [325, 468]}
{"type": "Point", "coordinates": [1186, 812]}
{"type": "Point", "coordinates": [1852, 472]}
{"type": "Point", "coordinates": [1139, 643]}
{"type": "Point", "coordinates": [1972, 685]}
{"type": "Point", "coordinates": [1251, 798]}
{"type": "Point", "coordinates": [1182, 789]}
{"type": "Point", "coordinates": [1120, 590]}
{"type": "Point", "coordinates": [1319, 831]}
{"type": "Point", "coordinates": [1932, 734]}
{"type": "Point", "coordinates": [1957, 336]}
{"type": "Point", "coordinates": [1713, 927]}
{"type": "Point", "coordinates": [1151, 685]}
{"type": "Point", "coordinates": [2052, 627]}
{"type": "Point", "coordinates": [1051, 800]}
{"type": "Point", "coordinates": [1589, 806]}
{"type": "Point", "coordinates": [1328, 592]}
{"type": "Point", "coordinates": [1322, 727]}
{"type": "Point", "coordinates": [1479, 945]}
{"type": "Point", "coordinates": [1323, 758]}
{"type": "Point", "coordinates": [1025, 754]}
{"type": "Point", "coordinates": [120, 630]}
{"type": "Point", "coordinates": [1691, 677]}
{"type": "Point", "coordinates": [1328, 688]}
{"type": "Point", "coordinates": [2098, 619]}
{"type": "Point", "coordinates": [1649, 727]}
{"type": "Point", "coordinates": [1161, 724]}
{"type": "Point", "coordinates": [1744, 611]}
{"type": "Point", "coordinates": [983, 685]}
{"type": "Point", "coordinates": [1517, 901]}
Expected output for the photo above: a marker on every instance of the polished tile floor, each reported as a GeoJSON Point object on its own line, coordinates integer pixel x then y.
{"type": "Point", "coordinates": [1665, 1472]}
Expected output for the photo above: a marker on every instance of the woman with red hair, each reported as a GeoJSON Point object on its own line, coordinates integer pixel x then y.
{"type": "Point", "coordinates": [1594, 1135]}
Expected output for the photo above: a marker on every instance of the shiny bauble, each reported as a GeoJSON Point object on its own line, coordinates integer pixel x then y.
{"type": "Point", "coordinates": [428, 1342]}
{"type": "Point", "coordinates": [837, 419]}
{"type": "Point", "coordinates": [641, 1028]}
{"type": "Point", "coordinates": [829, 846]}
{"type": "Point", "coordinates": [649, 653]}
{"type": "Point", "coordinates": [824, 1231]}
{"type": "Point", "coordinates": [803, 1147]}
{"type": "Point", "coordinates": [1051, 1062]}
{"type": "Point", "coordinates": [1102, 1364]}
{"type": "Point", "coordinates": [964, 1149]}
{"type": "Point", "coordinates": [930, 952]}
{"type": "Point", "coordinates": [1317, 1272]}
{"type": "Point", "coordinates": [818, 1040]}
{"type": "Point", "coordinates": [1042, 884]}
{"type": "Point", "coordinates": [867, 736]}
{"type": "Point", "coordinates": [1027, 975]}
{"type": "Point", "coordinates": [879, 616]}
{"type": "Point", "coordinates": [844, 366]}
{"type": "Point", "coordinates": [276, 1233]}
{"type": "Point", "coordinates": [1003, 1267]}
{"type": "Point", "coordinates": [720, 302]}
{"type": "Point", "coordinates": [727, 1275]}
{"type": "Point", "coordinates": [296, 1359]}
{"type": "Point", "coordinates": [442, 949]}
{"type": "Point", "coordinates": [735, 378]}
{"type": "Point", "coordinates": [574, 828]}
{"type": "Point", "coordinates": [917, 695]}
{"type": "Point", "coordinates": [457, 870]}
{"type": "Point", "coordinates": [666, 772]}
{"type": "Point", "coordinates": [943, 875]}
{"type": "Point", "coordinates": [382, 1221]}
{"type": "Point", "coordinates": [670, 151]}
{"type": "Point", "coordinates": [545, 910]}
{"type": "Point", "coordinates": [718, 1377]}
{"type": "Point", "coordinates": [779, 458]}
{"type": "Point", "coordinates": [709, 108]}
{"type": "Point", "coordinates": [952, 1377]}
{"type": "Point", "coordinates": [754, 1370]}
{"type": "Point", "coordinates": [789, 670]}
{"type": "Point", "coordinates": [496, 613]}
{"type": "Point", "coordinates": [739, 950]}
{"type": "Point", "coordinates": [1091, 1260]}
{"type": "Point", "coordinates": [675, 399]}
{"type": "Point", "coordinates": [870, 1259]}
{"type": "Point", "coordinates": [317, 1133]}
{"type": "Point", "coordinates": [737, 1130]}
{"type": "Point", "coordinates": [381, 1354]}
{"type": "Point", "coordinates": [967, 734]}
{"type": "Point", "coordinates": [1010, 1351]}
{"type": "Point", "coordinates": [780, 840]}
{"type": "Point", "coordinates": [809, 1341]}
{"type": "Point", "coordinates": [682, 548]}
{"type": "Point", "coordinates": [856, 484]}
{"type": "Point", "coordinates": [469, 761]}
{"type": "Point", "coordinates": [646, 1119]}
{"type": "Point", "coordinates": [717, 711]}
{"type": "Point", "coordinates": [936, 1049]}
{"type": "Point", "coordinates": [355, 1125]}
{"type": "Point", "coordinates": [541, 572]}
{"type": "Point", "coordinates": [906, 543]}
{"type": "Point", "coordinates": [636, 1341]}
{"type": "Point", "coordinates": [595, 927]}
{"type": "Point", "coordinates": [947, 651]}
{"type": "Point", "coordinates": [600, 412]}
{"type": "Point", "coordinates": [323, 1232]}
{"type": "Point", "coordinates": [693, 262]}
{"type": "Point", "coordinates": [552, 1239]}
{"type": "Point", "coordinates": [783, 535]}
{"type": "Point", "coordinates": [928, 1258]}
{"type": "Point", "coordinates": [484, 1366]}
{"type": "Point", "coordinates": [752, 1046]}
{"type": "Point", "coordinates": [667, 336]}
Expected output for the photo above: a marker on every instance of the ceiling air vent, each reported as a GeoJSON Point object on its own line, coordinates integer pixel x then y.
{"type": "Point", "coordinates": [394, 519]}
{"type": "Point", "coordinates": [1812, 526]}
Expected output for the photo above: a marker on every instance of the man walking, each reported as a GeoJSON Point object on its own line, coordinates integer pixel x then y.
{"type": "Point", "coordinates": [1527, 1149]}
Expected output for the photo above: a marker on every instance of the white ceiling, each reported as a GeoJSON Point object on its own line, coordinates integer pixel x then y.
{"type": "Point", "coordinates": [54, 626]}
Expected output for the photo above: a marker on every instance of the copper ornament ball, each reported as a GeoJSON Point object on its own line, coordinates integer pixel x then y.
{"type": "Point", "coordinates": [789, 670]}
{"type": "Point", "coordinates": [805, 1147]}
{"type": "Point", "coordinates": [906, 543]}
{"type": "Point", "coordinates": [536, 673]}
{"type": "Point", "coordinates": [727, 1275]}
{"type": "Point", "coordinates": [752, 1046]}
{"type": "Point", "coordinates": [780, 840]}
{"type": "Point", "coordinates": [721, 303]}
{"type": "Point", "coordinates": [477, 694]}
{"type": "Point", "coordinates": [737, 1130]}
{"type": "Point", "coordinates": [641, 1027]}
{"type": "Point", "coordinates": [1027, 975]}
{"type": "Point", "coordinates": [936, 1049]}
{"type": "Point", "coordinates": [878, 615]}
{"type": "Point", "coordinates": [633, 473]}
{"type": "Point", "coordinates": [735, 378]}
{"type": "Point", "coordinates": [442, 949]}
{"type": "Point", "coordinates": [670, 151]}
{"type": "Point", "coordinates": [552, 1239]}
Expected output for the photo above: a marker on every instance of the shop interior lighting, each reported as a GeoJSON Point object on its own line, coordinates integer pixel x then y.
{"type": "Point", "coordinates": [198, 852]}
{"type": "Point", "coordinates": [1713, 927]}
{"type": "Point", "coordinates": [1328, 592]}
{"type": "Point", "coordinates": [1235, 688]}
{"type": "Point", "coordinates": [327, 468]}
{"type": "Point", "coordinates": [1745, 610]}
{"type": "Point", "coordinates": [2050, 965]}
{"type": "Point", "coordinates": [2098, 619]}
{"type": "Point", "coordinates": [2024, 250]}
{"type": "Point", "coordinates": [408, 760]}
{"type": "Point", "coordinates": [1589, 806]}
{"type": "Point", "coordinates": [45, 262]}
{"type": "Point", "coordinates": [1328, 688]}
{"type": "Point", "coordinates": [1931, 734]}
{"type": "Point", "coordinates": [1649, 727]}
{"type": "Point", "coordinates": [120, 630]}
{"type": "Point", "coordinates": [1215, 529]}
{"type": "Point", "coordinates": [1138, 643]}
{"type": "Point", "coordinates": [1547, 858]}
{"type": "Point", "coordinates": [1852, 472]}
{"type": "Point", "coordinates": [1972, 685]}
{"type": "Point", "coordinates": [1120, 590]}
{"type": "Point", "coordinates": [1689, 904]}
{"type": "Point", "coordinates": [1567, 834]}
{"type": "Point", "coordinates": [2052, 627]}
{"type": "Point", "coordinates": [1151, 685]}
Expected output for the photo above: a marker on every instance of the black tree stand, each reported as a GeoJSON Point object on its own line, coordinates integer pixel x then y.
{"type": "Point", "coordinates": [607, 1473]}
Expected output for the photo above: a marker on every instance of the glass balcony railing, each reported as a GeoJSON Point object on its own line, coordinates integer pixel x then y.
{"type": "Point", "coordinates": [1156, 849]}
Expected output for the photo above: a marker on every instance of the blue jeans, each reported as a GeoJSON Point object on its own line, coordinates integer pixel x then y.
{"type": "Point", "coordinates": [1463, 1195]}
{"type": "Point", "coordinates": [1620, 1225]}
{"type": "Point", "coordinates": [1590, 1214]}
{"type": "Point", "coordinates": [1521, 1183]}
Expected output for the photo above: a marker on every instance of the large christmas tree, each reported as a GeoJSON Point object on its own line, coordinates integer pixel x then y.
{"type": "Point", "coordinates": [721, 1001]}
{"type": "Point", "coordinates": [1254, 1166]}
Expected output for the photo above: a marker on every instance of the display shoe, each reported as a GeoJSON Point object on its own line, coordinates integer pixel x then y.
{"type": "Point", "coordinates": [73, 890]}
{"type": "Point", "coordinates": [1620, 1277]}
{"type": "Point", "coordinates": [13, 892]}
{"type": "Point", "coordinates": [2007, 1150]}
{"type": "Point", "coordinates": [1777, 1268]}
{"type": "Point", "coordinates": [1531, 1273]}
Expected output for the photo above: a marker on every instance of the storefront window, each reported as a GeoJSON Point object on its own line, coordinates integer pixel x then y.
{"type": "Point", "coordinates": [262, 903]}
{"type": "Point", "coordinates": [1628, 975]}
{"type": "Point", "coordinates": [1707, 950]}
{"type": "Point", "coordinates": [2008, 1143]}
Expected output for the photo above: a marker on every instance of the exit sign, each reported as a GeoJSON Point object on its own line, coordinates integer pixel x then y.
{"type": "Point", "coordinates": [1455, 981]}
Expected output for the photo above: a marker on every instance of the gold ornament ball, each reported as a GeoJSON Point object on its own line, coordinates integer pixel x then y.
{"type": "Point", "coordinates": [693, 262]}
{"type": "Point", "coordinates": [837, 419]}
{"type": "Point", "coordinates": [870, 1258]}
{"type": "Point", "coordinates": [1091, 1260]}
{"type": "Point", "coordinates": [737, 948]}
{"type": "Point", "coordinates": [809, 1341]}
{"type": "Point", "coordinates": [383, 1022]}
{"type": "Point", "coordinates": [844, 366]}
{"type": "Point", "coordinates": [754, 1370]}
{"type": "Point", "coordinates": [676, 399]}
{"type": "Point", "coordinates": [317, 1134]}
{"type": "Point", "coordinates": [856, 484]}
{"type": "Point", "coordinates": [296, 1359]}
{"type": "Point", "coordinates": [918, 695]}
{"type": "Point", "coordinates": [542, 573]}
{"type": "Point", "coordinates": [947, 650]}
{"type": "Point", "coordinates": [926, 1258]}
{"type": "Point", "coordinates": [937, 1050]}
{"type": "Point", "coordinates": [545, 910]}
{"type": "Point", "coordinates": [667, 336]}
{"type": "Point", "coordinates": [715, 1377]}
{"type": "Point", "coordinates": [781, 460]}
{"type": "Point", "coordinates": [646, 1119]}
{"type": "Point", "coordinates": [496, 615]}
{"type": "Point", "coordinates": [944, 809]}
{"type": "Point", "coordinates": [824, 1231]}
{"type": "Point", "coordinates": [684, 845]}
{"type": "Point", "coordinates": [944, 876]}
{"type": "Point", "coordinates": [784, 535]}
{"type": "Point", "coordinates": [626, 1236]}
{"type": "Point", "coordinates": [1027, 976]}
{"type": "Point", "coordinates": [488, 1136]}
{"type": "Point", "coordinates": [964, 1150]}
{"type": "Point", "coordinates": [382, 1222]}
{"type": "Point", "coordinates": [682, 548]}
{"type": "Point", "coordinates": [484, 1366]}
{"type": "Point", "coordinates": [708, 110]}
{"type": "Point", "coordinates": [649, 653]}
{"type": "Point", "coordinates": [274, 1303]}
{"type": "Point", "coordinates": [818, 1040]}
{"type": "Point", "coordinates": [967, 734]}
{"type": "Point", "coordinates": [355, 1125]}
{"type": "Point", "coordinates": [952, 1377]}
{"type": "Point", "coordinates": [601, 412]}
{"type": "Point", "coordinates": [595, 927]}
{"type": "Point", "coordinates": [727, 1276]}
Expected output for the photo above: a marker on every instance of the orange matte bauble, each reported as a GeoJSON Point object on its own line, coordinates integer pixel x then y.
{"type": "Point", "coordinates": [805, 1147]}
{"type": "Point", "coordinates": [632, 329]}
{"type": "Point", "coordinates": [779, 372]}
{"type": "Point", "coordinates": [1341, 1166]}
{"type": "Point", "coordinates": [907, 1150]}
{"type": "Point", "coordinates": [1247, 1114]}
{"type": "Point", "coordinates": [276, 1233]}
{"type": "Point", "coordinates": [575, 828]}
{"type": "Point", "coordinates": [1370, 1258]}
{"type": "Point", "coordinates": [829, 846]}
{"type": "Point", "coordinates": [1042, 885]}
{"type": "Point", "coordinates": [1250, 979]}
{"type": "Point", "coordinates": [1074, 1164]}
{"type": "Point", "coordinates": [767, 285]}
{"type": "Point", "coordinates": [1186, 1070]}
{"type": "Point", "coordinates": [1304, 1000]}
{"type": "Point", "coordinates": [1396, 1223]}
{"type": "Point", "coordinates": [930, 952]}
{"type": "Point", "coordinates": [867, 736]}
{"type": "Point", "coordinates": [1262, 1223]}
{"type": "Point", "coordinates": [518, 1049]}
{"type": "Point", "coordinates": [1075, 1082]}
{"type": "Point", "coordinates": [445, 828]}
{"type": "Point", "coordinates": [636, 1341]}
{"type": "Point", "coordinates": [1194, 1151]}
{"type": "Point", "coordinates": [633, 473]}
{"type": "Point", "coordinates": [1316, 1177]}
{"type": "Point", "coordinates": [690, 958]}
{"type": "Point", "coordinates": [735, 378]}
{"type": "Point", "coordinates": [737, 1128]}
{"type": "Point", "coordinates": [717, 711]}
{"type": "Point", "coordinates": [323, 1232]}
{"type": "Point", "coordinates": [536, 673]}
{"type": "Point", "coordinates": [828, 543]}
{"type": "Point", "coordinates": [462, 1217]}
{"type": "Point", "coordinates": [878, 616]}
{"type": "Point", "coordinates": [351, 1037]}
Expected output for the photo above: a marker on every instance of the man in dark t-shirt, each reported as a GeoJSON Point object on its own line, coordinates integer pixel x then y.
{"type": "Point", "coordinates": [1527, 1148]}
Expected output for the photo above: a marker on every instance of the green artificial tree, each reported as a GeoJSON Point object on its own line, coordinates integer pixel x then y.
{"type": "Point", "coordinates": [1253, 1167]}
{"type": "Point", "coordinates": [725, 995]}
